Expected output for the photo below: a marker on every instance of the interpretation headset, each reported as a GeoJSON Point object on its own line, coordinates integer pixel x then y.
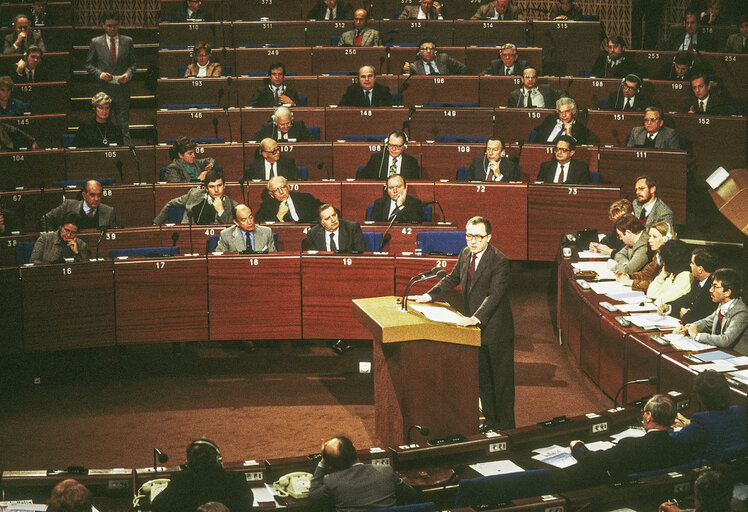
{"type": "Point", "coordinates": [30, 49]}
{"type": "Point", "coordinates": [424, 41]}
{"type": "Point", "coordinates": [203, 441]}
{"type": "Point", "coordinates": [669, 235]}
{"type": "Point", "coordinates": [398, 133]}
{"type": "Point", "coordinates": [632, 77]}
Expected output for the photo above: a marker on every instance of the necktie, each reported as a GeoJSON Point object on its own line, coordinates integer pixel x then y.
{"type": "Point", "coordinates": [643, 214]}
{"type": "Point", "coordinates": [328, 16]}
{"type": "Point", "coordinates": [393, 167]}
{"type": "Point", "coordinates": [277, 96]}
{"type": "Point", "coordinates": [560, 175]}
{"type": "Point", "coordinates": [627, 105]}
{"type": "Point", "coordinates": [333, 247]}
{"type": "Point", "coordinates": [112, 49]}
{"type": "Point", "coordinates": [491, 172]}
{"type": "Point", "coordinates": [471, 268]}
{"type": "Point", "coordinates": [649, 143]}
{"type": "Point", "coordinates": [720, 317]}
{"type": "Point", "coordinates": [701, 106]}
{"type": "Point", "coordinates": [432, 69]}
{"type": "Point", "coordinates": [507, 71]}
{"type": "Point", "coordinates": [529, 100]}
{"type": "Point", "coordinates": [368, 97]}
{"type": "Point", "coordinates": [272, 171]}
{"type": "Point", "coordinates": [690, 42]}
{"type": "Point", "coordinates": [394, 212]}
{"type": "Point", "coordinates": [91, 213]}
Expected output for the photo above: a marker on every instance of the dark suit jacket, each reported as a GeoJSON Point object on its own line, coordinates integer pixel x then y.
{"type": "Point", "coordinates": [410, 12]}
{"type": "Point", "coordinates": [704, 43]}
{"type": "Point", "coordinates": [344, 11]}
{"type": "Point", "coordinates": [286, 167]}
{"type": "Point", "coordinates": [53, 218]}
{"type": "Point", "coordinates": [549, 97]}
{"type": "Point", "coordinates": [496, 68]}
{"type": "Point", "coordinates": [412, 210]}
{"type": "Point", "coordinates": [187, 491]}
{"type": "Point", "coordinates": [264, 97]}
{"type": "Point", "coordinates": [578, 173]}
{"type": "Point", "coordinates": [297, 131]}
{"type": "Point", "coordinates": [40, 75]}
{"type": "Point", "coordinates": [376, 169]}
{"type": "Point", "coordinates": [698, 301]}
{"type": "Point", "coordinates": [712, 434]}
{"type": "Point", "coordinates": [181, 16]}
{"type": "Point", "coordinates": [33, 38]}
{"type": "Point", "coordinates": [616, 101]}
{"type": "Point", "coordinates": [479, 168]}
{"type": "Point", "coordinates": [716, 106]}
{"type": "Point", "coordinates": [444, 63]}
{"type": "Point", "coordinates": [579, 131]}
{"type": "Point", "coordinates": [306, 206]}
{"type": "Point", "coordinates": [734, 44]}
{"type": "Point", "coordinates": [601, 68]}
{"type": "Point", "coordinates": [354, 96]}
{"type": "Point", "coordinates": [666, 138]}
{"type": "Point", "coordinates": [350, 238]}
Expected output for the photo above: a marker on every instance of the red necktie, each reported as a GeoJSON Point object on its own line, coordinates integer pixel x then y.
{"type": "Point", "coordinates": [720, 317]}
{"type": "Point", "coordinates": [112, 49]}
{"type": "Point", "coordinates": [471, 268]}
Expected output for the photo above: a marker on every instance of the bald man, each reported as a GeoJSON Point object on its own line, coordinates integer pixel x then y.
{"type": "Point", "coordinates": [91, 213]}
{"type": "Point", "coordinates": [282, 205]}
{"type": "Point", "coordinates": [245, 235]}
{"type": "Point", "coordinates": [272, 163]}
{"type": "Point", "coordinates": [366, 92]}
{"type": "Point", "coordinates": [361, 35]}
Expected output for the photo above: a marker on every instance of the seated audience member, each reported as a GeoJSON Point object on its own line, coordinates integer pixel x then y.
{"type": "Point", "coordinates": [8, 222]}
{"type": "Point", "coordinates": [712, 492]}
{"type": "Point", "coordinates": [612, 63]}
{"type": "Point", "coordinates": [655, 450]}
{"type": "Point", "coordinates": [361, 35]}
{"type": "Point", "coordinates": [184, 165]}
{"type": "Point", "coordinates": [649, 208]}
{"type": "Point", "coordinates": [275, 91]}
{"type": "Point", "coordinates": [100, 132]}
{"type": "Point", "coordinates": [213, 506]}
{"type": "Point", "coordinates": [91, 213]}
{"type": "Point", "coordinates": [202, 64]}
{"type": "Point", "coordinates": [693, 38]}
{"type": "Point", "coordinates": [610, 243]}
{"type": "Point", "coordinates": [192, 11]}
{"type": "Point", "coordinates": [432, 62]}
{"type": "Point", "coordinates": [564, 122]}
{"type": "Point", "coordinates": [38, 15]}
{"type": "Point", "coordinates": [679, 70]}
{"type": "Point", "coordinates": [508, 63]}
{"type": "Point", "coordinates": [204, 480]}
{"type": "Point", "coordinates": [366, 92]}
{"type": "Point", "coordinates": [498, 10]}
{"type": "Point", "coordinates": [331, 10]}
{"type": "Point", "coordinates": [738, 43]}
{"type": "Point", "coordinates": [628, 97]}
{"type": "Point", "coordinates": [703, 101]}
{"type": "Point", "coordinates": [56, 246]}
{"type": "Point", "coordinates": [653, 134]}
{"type": "Point", "coordinates": [333, 233]}
{"type": "Point", "coordinates": [674, 280]}
{"type": "Point", "coordinates": [342, 483]}
{"type": "Point", "coordinates": [727, 326]}
{"type": "Point", "coordinates": [563, 168]}
{"type": "Point", "coordinates": [397, 204]}
{"type": "Point", "coordinates": [565, 10]}
{"type": "Point", "coordinates": [532, 95]}
{"type": "Point", "coordinates": [425, 10]}
{"type": "Point", "coordinates": [718, 428]}
{"type": "Point", "coordinates": [9, 134]}
{"type": "Point", "coordinates": [69, 496]}
{"type": "Point", "coordinates": [282, 205]}
{"type": "Point", "coordinates": [714, 15]}
{"type": "Point", "coordinates": [494, 165]}
{"type": "Point", "coordinates": [697, 303]}
{"type": "Point", "coordinates": [9, 106]}
{"type": "Point", "coordinates": [395, 161]}
{"type": "Point", "coordinates": [30, 68]}
{"type": "Point", "coordinates": [272, 163]}
{"type": "Point", "coordinates": [245, 235]}
{"type": "Point", "coordinates": [202, 205]}
{"type": "Point", "coordinates": [659, 234]}
{"type": "Point", "coordinates": [22, 38]}
{"type": "Point", "coordinates": [633, 256]}
{"type": "Point", "coordinates": [282, 127]}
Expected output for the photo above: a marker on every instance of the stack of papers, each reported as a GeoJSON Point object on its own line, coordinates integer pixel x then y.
{"type": "Point", "coordinates": [740, 376]}
{"type": "Point", "coordinates": [591, 255]}
{"type": "Point", "coordinates": [555, 455]}
{"type": "Point", "coordinates": [496, 467]}
{"type": "Point", "coordinates": [599, 267]}
{"type": "Point", "coordinates": [436, 313]}
{"type": "Point", "coordinates": [648, 321]}
{"type": "Point", "coordinates": [720, 365]}
{"type": "Point", "coordinates": [683, 342]}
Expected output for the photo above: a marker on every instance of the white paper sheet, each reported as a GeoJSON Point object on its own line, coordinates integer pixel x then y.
{"type": "Point", "coordinates": [683, 342]}
{"type": "Point", "coordinates": [436, 313]}
{"type": "Point", "coordinates": [496, 467]}
{"type": "Point", "coordinates": [636, 308]}
{"type": "Point", "coordinates": [718, 366]}
{"type": "Point", "coordinates": [653, 321]}
{"type": "Point", "coordinates": [591, 255]}
{"type": "Point", "coordinates": [629, 432]}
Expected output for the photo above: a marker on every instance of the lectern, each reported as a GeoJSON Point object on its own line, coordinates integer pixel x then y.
{"type": "Point", "coordinates": [425, 372]}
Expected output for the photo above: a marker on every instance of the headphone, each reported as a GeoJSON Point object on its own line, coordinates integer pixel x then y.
{"type": "Point", "coordinates": [418, 53]}
{"type": "Point", "coordinates": [632, 77]}
{"type": "Point", "coordinates": [30, 49]}
{"type": "Point", "coordinates": [669, 235]}
{"type": "Point", "coordinates": [203, 441]}
{"type": "Point", "coordinates": [275, 113]}
{"type": "Point", "coordinates": [398, 133]}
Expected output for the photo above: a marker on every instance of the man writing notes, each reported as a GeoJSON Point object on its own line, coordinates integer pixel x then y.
{"type": "Point", "coordinates": [245, 235]}
{"type": "Point", "coordinates": [482, 271]}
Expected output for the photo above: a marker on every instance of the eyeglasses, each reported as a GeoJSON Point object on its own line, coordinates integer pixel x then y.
{"type": "Point", "coordinates": [530, 77]}
{"type": "Point", "coordinates": [396, 146]}
{"type": "Point", "coordinates": [69, 231]}
{"type": "Point", "coordinates": [561, 150]}
{"type": "Point", "coordinates": [477, 238]}
{"type": "Point", "coordinates": [272, 152]}
{"type": "Point", "coordinates": [278, 190]}
{"type": "Point", "coordinates": [651, 120]}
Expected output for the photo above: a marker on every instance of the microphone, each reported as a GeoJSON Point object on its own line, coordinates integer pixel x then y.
{"type": "Point", "coordinates": [174, 238]}
{"type": "Point", "coordinates": [189, 218]}
{"type": "Point", "coordinates": [159, 456]}
{"type": "Point", "coordinates": [241, 184]}
{"type": "Point", "coordinates": [119, 169]}
{"type": "Point", "coordinates": [381, 61]}
{"type": "Point", "coordinates": [220, 95]}
{"type": "Point", "coordinates": [424, 274]}
{"type": "Point", "coordinates": [44, 206]}
{"type": "Point", "coordinates": [323, 165]}
{"type": "Point", "coordinates": [437, 203]}
{"type": "Point", "coordinates": [652, 381]}
{"type": "Point", "coordinates": [137, 161]}
{"type": "Point", "coordinates": [215, 127]}
{"type": "Point", "coordinates": [102, 232]}
{"type": "Point", "coordinates": [424, 431]}
{"type": "Point", "coordinates": [404, 86]}
{"type": "Point", "coordinates": [386, 237]}
{"type": "Point", "coordinates": [439, 273]}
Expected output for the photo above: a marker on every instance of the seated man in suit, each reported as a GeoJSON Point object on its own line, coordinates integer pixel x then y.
{"type": "Point", "coordinates": [612, 63]}
{"type": "Point", "coordinates": [702, 101]}
{"type": "Point", "coordinates": [56, 246]}
{"type": "Point", "coordinates": [275, 91]}
{"type": "Point", "coordinates": [425, 10]}
{"type": "Point", "coordinates": [727, 327]}
{"type": "Point", "coordinates": [185, 166]}
{"type": "Point", "coordinates": [341, 482]}
{"type": "Point", "coordinates": [655, 450]}
{"type": "Point", "coordinates": [91, 213]}
{"type": "Point", "coordinates": [494, 165]}
{"type": "Point", "coordinates": [22, 38]}
{"type": "Point", "coordinates": [564, 10]}
{"type": "Point", "coordinates": [679, 70]}
{"type": "Point", "coordinates": [693, 39]}
{"type": "Point", "coordinates": [245, 235]}
{"type": "Point", "coordinates": [633, 256]}
{"type": "Point", "coordinates": [697, 303]}
{"type": "Point", "coordinates": [649, 208]}
{"type": "Point", "coordinates": [738, 43]}
{"type": "Point", "coordinates": [395, 161]}
{"type": "Point", "coordinates": [563, 123]}
{"type": "Point", "coordinates": [562, 168]}
{"type": "Point", "coordinates": [283, 128]}
{"type": "Point", "coordinates": [653, 134]}
{"type": "Point", "coordinates": [532, 95]}
{"type": "Point", "coordinates": [192, 11]}
{"type": "Point", "coordinates": [30, 68]}
{"type": "Point", "coordinates": [271, 163]}
{"type": "Point", "coordinates": [331, 10]}
{"type": "Point", "coordinates": [508, 63]}
{"type": "Point", "coordinates": [367, 92]}
{"type": "Point", "coordinates": [361, 35]}
{"type": "Point", "coordinates": [282, 205]}
{"type": "Point", "coordinates": [628, 96]}
{"type": "Point", "coordinates": [498, 10]}
{"type": "Point", "coordinates": [431, 62]}
{"type": "Point", "coordinates": [208, 205]}
{"type": "Point", "coordinates": [397, 204]}
{"type": "Point", "coordinates": [38, 14]}
{"type": "Point", "coordinates": [334, 234]}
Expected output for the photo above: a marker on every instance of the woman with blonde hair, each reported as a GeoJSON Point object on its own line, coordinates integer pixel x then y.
{"type": "Point", "coordinates": [100, 132]}
{"type": "Point", "coordinates": [659, 233]}
{"type": "Point", "coordinates": [202, 64]}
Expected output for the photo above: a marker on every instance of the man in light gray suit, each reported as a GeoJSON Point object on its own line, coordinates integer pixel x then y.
{"type": "Point", "coordinates": [361, 35]}
{"type": "Point", "coordinates": [206, 205]}
{"type": "Point", "coordinates": [431, 62]}
{"type": "Point", "coordinates": [90, 212]}
{"type": "Point", "coordinates": [653, 134]}
{"type": "Point", "coordinates": [648, 208]}
{"type": "Point", "coordinates": [342, 483]}
{"type": "Point", "coordinates": [111, 62]}
{"type": "Point", "coordinates": [244, 235]}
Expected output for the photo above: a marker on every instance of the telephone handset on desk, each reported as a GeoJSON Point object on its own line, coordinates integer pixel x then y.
{"type": "Point", "coordinates": [295, 485]}
{"type": "Point", "coordinates": [147, 492]}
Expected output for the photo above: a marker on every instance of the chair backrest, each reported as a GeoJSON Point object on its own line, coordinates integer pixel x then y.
{"type": "Point", "coordinates": [200, 140]}
{"type": "Point", "coordinates": [303, 171]}
{"type": "Point", "coordinates": [533, 135]}
{"type": "Point", "coordinates": [147, 252]}
{"type": "Point", "coordinates": [444, 242]}
{"type": "Point", "coordinates": [397, 98]}
{"type": "Point", "coordinates": [67, 139]}
{"type": "Point", "coordinates": [601, 104]}
{"type": "Point", "coordinates": [225, 70]}
{"type": "Point", "coordinates": [451, 104]}
{"type": "Point", "coordinates": [680, 467]}
{"type": "Point", "coordinates": [364, 138]}
{"type": "Point", "coordinates": [82, 183]}
{"type": "Point", "coordinates": [176, 214]}
{"type": "Point", "coordinates": [335, 40]}
{"type": "Point", "coordinates": [185, 106]}
{"type": "Point", "coordinates": [315, 131]}
{"type": "Point", "coordinates": [495, 489]}
{"type": "Point", "coordinates": [464, 139]}
{"type": "Point", "coordinates": [372, 240]}
{"type": "Point", "coordinates": [462, 172]}
{"type": "Point", "coordinates": [416, 507]}
{"type": "Point", "coordinates": [23, 252]}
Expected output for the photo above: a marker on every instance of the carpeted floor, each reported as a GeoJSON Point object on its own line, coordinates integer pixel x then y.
{"type": "Point", "coordinates": [109, 408]}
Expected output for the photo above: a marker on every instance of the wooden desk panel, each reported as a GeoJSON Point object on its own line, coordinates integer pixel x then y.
{"type": "Point", "coordinates": [675, 375]}
{"type": "Point", "coordinates": [315, 155]}
{"type": "Point", "coordinates": [534, 154]}
{"type": "Point", "coordinates": [588, 92]}
{"type": "Point", "coordinates": [126, 238]}
{"type": "Point", "coordinates": [181, 234]}
{"type": "Point", "coordinates": [357, 195]}
{"type": "Point", "coordinates": [75, 301]}
{"type": "Point", "coordinates": [348, 156]}
{"type": "Point", "coordinates": [86, 164]}
{"type": "Point", "coordinates": [650, 61]}
{"type": "Point", "coordinates": [202, 123]}
{"type": "Point", "coordinates": [413, 31]}
{"type": "Point", "coordinates": [430, 123]}
{"type": "Point", "coordinates": [286, 33]}
{"type": "Point", "coordinates": [477, 59]}
{"type": "Point", "coordinates": [378, 122]}
{"type": "Point", "coordinates": [214, 32]}
{"type": "Point", "coordinates": [612, 345]}
{"type": "Point", "coordinates": [11, 309]}
{"type": "Point", "coordinates": [443, 88]}
{"type": "Point", "coordinates": [170, 60]}
{"type": "Point", "coordinates": [332, 87]}
{"type": "Point", "coordinates": [732, 69]}
{"type": "Point", "coordinates": [134, 204]}
{"type": "Point", "coordinates": [613, 128]}
{"type": "Point", "coordinates": [161, 300]}
{"type": "Point", "coordinates": [29, 205]}
{"type": "Point", "coordinates": [642, 362]}
{"type": "Point", "coordinates": [515, 124]}
{"type": "Point", "coordinates": [441, 160]}
{"type": "Point", "coordinates": [331, 282]}
{"type": "Point", "coordinates": [570, 312]}
{"type": "Point", "coordinates": [495, 90]}
{"type": "Point", "coordinates": [44, 97]}
{"type": "Point", "coordinates": [571, 208]}
{"type": "Point", "coordinates": [320, 32]}
{"type": "Point", "coordinates": [196, 91]}
{"type": "Point", "coordinates": [408, 266]}
{"type": "Point", "coordinates": [472, 32]}
{"type": "Point", "coordinates": [47, 129]}
{"type": "Point", "coordinates": [230, 156]}
{"type": "Point", "coordinates": [305, 85]}
{"type": "Point", "coordinates": [589, 343]}
{"type": "Point", "coordinates": [290, 235]}
{"type": "Point", "coordinates": [325, 60]}
{"type": "Point", "coordinates": [253, 119]}
{"type": "Point", "coordinates": [671, 96]}
{"type": "Point", "coordinates": [30, 169]}
{"type": "Point", "coordinates": [561, 42]}
{"type": "Point", "coordinates": [298, 60]}
{"type": "Point", "coordinates": [267, 282]}
{"type": "Point", "coordinates": [509, 226]}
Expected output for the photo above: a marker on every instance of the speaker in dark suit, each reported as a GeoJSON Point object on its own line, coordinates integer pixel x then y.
{"type": "Point", "coordinates": [392, 160]}
{"type": "Point", "coordinates": [693, 39]}
{"type": "Point", "coordinates": [30, 69]}
{"type": "Point", "coordinates": [334, 234]}
{"type": "Point", "coordinates": [271, 163]}
{"type": "Point", "coordinates": [532, 95]}
{"type": "Point", "coordinates": [697, 303]}
{"type": "Point", "coordinates": [575, 172]}
{"type": "Point", "coordinates": [628, 96]}
{"type": "Point", "coordinates": [508, 63]}
{"type": "Point", "coordinates": [703, 101]}
{"type": "Point", "coordinates": [282, 205]}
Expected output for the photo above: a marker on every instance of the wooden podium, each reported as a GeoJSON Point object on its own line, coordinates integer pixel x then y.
{"type": "Point", "coordinates": [425, 372]}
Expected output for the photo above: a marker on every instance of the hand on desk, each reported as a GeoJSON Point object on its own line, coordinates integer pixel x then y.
{"type": "Point", "coordinates": [600, 248]}
{"type": "Point", "coordinates": [574, 442]}
{"type": "Point", "coordinates": [468, 321]}
{"type": "Point", "coordinates": [680, 420]}
{"type": "Point", "coordinates": [624, 279]}
{"type": "Point", "coordinates": [420, 298]}
{"type": "Point", "coordinates": [669, 506]}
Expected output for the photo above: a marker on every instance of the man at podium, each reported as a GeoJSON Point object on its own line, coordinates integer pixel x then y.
{"type": "Point", "coordinates": [483, 273]}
